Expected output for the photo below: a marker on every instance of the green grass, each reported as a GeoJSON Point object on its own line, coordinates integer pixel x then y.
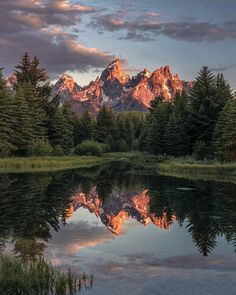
{"type": "Point", "coordinates": [40, 164]}
{"type": "Point", "coordinates": [40, 277]}
{"type": "Point", "coordinates": [185, 167]}
{"type": "Point", "coordinates": [43, 164]}
{"type": "Point", "coordinates": [198, 170]}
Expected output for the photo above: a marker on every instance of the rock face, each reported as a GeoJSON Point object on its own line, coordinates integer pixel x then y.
{"type": "Point", "coordinates": [119, 91]}
{"type": "Point", "coordinates": [10, 81]}
{"type": "Point", "coordinates": [66, 87]}
{"type": "Point", "coordinates": [119, 208]}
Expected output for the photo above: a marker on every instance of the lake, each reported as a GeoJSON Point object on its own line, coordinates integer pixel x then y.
{"type": "Point", "coordinates": [135, 232]}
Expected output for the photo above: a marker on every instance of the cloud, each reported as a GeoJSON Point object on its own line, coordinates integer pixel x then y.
{"type": "Point", "coordinates": [47, 29]}
{"type": "Point", "coordinates": [148, 28]}
{"type": "Point", "coordinates": [79, 235]}
{"type": "Point", "coordinates": [222, 68]}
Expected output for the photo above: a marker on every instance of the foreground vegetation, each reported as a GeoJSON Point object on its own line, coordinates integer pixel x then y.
{"type": "Point", "coordinates": [185, 167]}
{"type": "Point", "coordinates": [40, 277]}
{"type": "Point", "coordinates": [198, 169]}
{"type": "Point", "coordinates": [40, 164]}
{"type": "Point", "coordinates": [34, 164]}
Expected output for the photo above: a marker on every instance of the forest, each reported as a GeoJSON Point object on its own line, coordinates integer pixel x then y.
{"type": "Point", "coordinates": [200, 123]}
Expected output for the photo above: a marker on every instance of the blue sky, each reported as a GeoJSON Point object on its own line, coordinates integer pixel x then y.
{"type": "Point", "coordinates": [83, 37]}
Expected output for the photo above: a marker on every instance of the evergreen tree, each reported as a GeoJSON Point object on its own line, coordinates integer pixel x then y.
{"type": "Point", "coordinates": [36, 109]}
{"type": "Point", "coordinates": [58, 133]}
{"type": "Point", "coordinates": [24, 132]}
{"type": "Point", "coordinates": [6, 119]}
{"type": "Point", "coordinates": [104, 129]}
{"type": "Point", "coordinates": [224, 137]}
{"type": "Point", "coordinates": [37, 74]}
{"type": "Point", "coordinates": [69, 125]}
{"type": "Point", "coordinates": [223, 93]}
{"type": "Point", "coordinates": [176, 138]}
{"type": "Point", "coordinates": [28, 71]}
{"type": "Point", "coordinates": [156, 125]}
{"type": "Point", "coordinates": [23, 70]}
{"type": "Point", "coordinates": [207, 98]}
{"type": "Point", "coordinates": [83, 128]}
{"type": "Point", "coordinates": [202, 108]}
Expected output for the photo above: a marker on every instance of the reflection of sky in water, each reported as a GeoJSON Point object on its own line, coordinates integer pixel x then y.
{"type": "Point", "coordinates": [143, 259]}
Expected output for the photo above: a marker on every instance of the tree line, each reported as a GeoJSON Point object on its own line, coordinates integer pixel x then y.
{"type": "Point", "coordinates": [201, 123]}
{"type": "Point", "coordinates": [32, 123]}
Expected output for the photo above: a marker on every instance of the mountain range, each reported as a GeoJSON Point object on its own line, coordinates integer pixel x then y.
{"type": "Point", "coordinates": [118, 90]}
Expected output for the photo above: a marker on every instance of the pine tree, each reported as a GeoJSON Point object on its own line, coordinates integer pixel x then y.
{"type": "Point", "coordinates": [69, 125]}
{"type": "Point", "coordinates": [23, 70]}
{"type": "Point", "coordinates": [58, 132]}
{"type": "Point", "coordinates": [36, 110]}
{"type": "Point", "coordinates": [24, 132]}
{"type": "Point", "coordinates": [224, 137]}
{"type": "Point", "coordinates": [6, 119]}
{"type": "Point", "coordinates": [37, 74]}
{"type": "Point", "coordinates": [156, 125]}
{"type": "Point", "coordinates": [223, 93]}
{"type": "Point", "coordinates": [176, 138]}
{"type": "Point", "coordinates": [104, 129]}
{"type": "Point", "coordinates": [201, 106]}
{"type": "Point", "coordinates": [83, 128]}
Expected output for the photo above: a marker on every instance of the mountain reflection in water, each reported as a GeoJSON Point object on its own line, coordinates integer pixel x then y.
{"type": "Point", "coordinates": [36, 208]}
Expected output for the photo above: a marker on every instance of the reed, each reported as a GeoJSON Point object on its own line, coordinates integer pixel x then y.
{"type": "Point", "coordinates": [48, 163]}
{"type": "Point", "coordinates": [43, 164]}
{"type": "Point", "coordinates": [39, 277]}
{"type": "Point", "coordinates": [212, 170]}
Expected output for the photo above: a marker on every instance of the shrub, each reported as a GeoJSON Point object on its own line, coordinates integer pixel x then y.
{"type": "Point", "coordinates": [105, 147]}
{"type": "Point", "coordinates": [40, 147]}
{"type": "Point", "coordinates": [201, 151]}
{"type": "Point", "coordinates": [89, 147]}
{"type": "Point", "coordinates": [120, 146]}
{"type": "Point", "coordinates": [58, 151]}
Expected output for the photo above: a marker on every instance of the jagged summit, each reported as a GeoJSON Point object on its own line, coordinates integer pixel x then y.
{"type": "Point", "coordinates": [115, 71]}
{"type": "Point", "coordinates": [66, 87]}
{"type": "Point", "coordinates": [115, 88]}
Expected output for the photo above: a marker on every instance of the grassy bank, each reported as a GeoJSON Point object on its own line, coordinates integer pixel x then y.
{"type": "Point", "coordinates": [48, 163]}
{"type": "Point", "coordinates": [38, 277]}
{"type": "Point", "coordinates": [152, 164]}
{"type": "Point", "coordinates": [198, 170]}
{"type": "Point", "coordinates": [41, 164]}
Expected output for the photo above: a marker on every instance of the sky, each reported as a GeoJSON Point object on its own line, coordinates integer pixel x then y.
{"type": "Point", "coordinates": [82, 38]}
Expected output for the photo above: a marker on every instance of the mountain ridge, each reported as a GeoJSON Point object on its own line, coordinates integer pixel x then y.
{"type": "Point", "coordinates": [117, 90]}
{"type": "Point", "coordinates": [120, 92]}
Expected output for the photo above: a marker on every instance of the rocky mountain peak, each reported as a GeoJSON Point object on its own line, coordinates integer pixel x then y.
{"type": "Point", "coordinates": [66, 82]}
{"type": "Point", "coordinates": [119, 91]}
{"type": "Point", "coordinates": [115, 71]}
{"type": "Point", "coordinates": [10, 81]}
{"type": "Point", "coordinates": [66, 87]}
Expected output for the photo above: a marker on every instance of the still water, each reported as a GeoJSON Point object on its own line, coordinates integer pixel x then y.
{"type": "Point", "coordinates": [135, 233]}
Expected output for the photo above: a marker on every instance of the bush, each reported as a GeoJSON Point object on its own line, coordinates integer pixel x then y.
{"type": "Point", "coordinates": [40, 147]}
{"type": "Point", "coordinates": [58, 151]}
{"type": "Point", "coordinates": [201, 151]}
{"type": "Point", "coordinates": [89, 147]}
{"type": "Point", "coordinates": [120, 146]}
{"type": "Point", "coordinates": [4, 150]}
{"type": "Point", "coordinates": [105, 147]}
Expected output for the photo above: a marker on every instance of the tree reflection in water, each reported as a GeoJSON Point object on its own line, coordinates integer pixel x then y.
{"type": "Point", "coordinates": [32, 205]}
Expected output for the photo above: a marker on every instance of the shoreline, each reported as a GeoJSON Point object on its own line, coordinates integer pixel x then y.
{"type": "Point", "coordinates": [173, 167]}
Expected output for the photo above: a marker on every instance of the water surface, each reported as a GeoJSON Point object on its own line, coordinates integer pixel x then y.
{"type": "Point", "coordinates": [136, 233]}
